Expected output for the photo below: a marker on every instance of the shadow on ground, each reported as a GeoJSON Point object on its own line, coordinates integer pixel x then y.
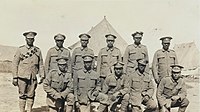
{"type": "Point", "coordinates": [40, 109]}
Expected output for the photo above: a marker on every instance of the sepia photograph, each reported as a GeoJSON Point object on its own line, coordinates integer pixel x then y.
{"type": "Point", "coordinates": [100, 56]}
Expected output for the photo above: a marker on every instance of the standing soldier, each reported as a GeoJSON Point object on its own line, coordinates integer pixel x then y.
{"type": "Point", "coordinates": [107, 57]}
{"type": "Point", "coordinates": [116, 86]}
{"type": "Point", "coordinates": [26, 64]}
{"type": "Point", "coordinates": [142, 89]}
{"type": "Point", "coordinates": [163, 59]}
{"type": "Point", "coordinates": [77, 60]}
{"type": "Point", "coordinates": [59, 87]}
{"type": "Point", "coordinates": [133, 52]}
{"type": "Point", "coordinates": [55, 52]}
{"type": "Point", "coordinates": [87, 87]}
{"type": "Point", "coordinates": [171, 93]}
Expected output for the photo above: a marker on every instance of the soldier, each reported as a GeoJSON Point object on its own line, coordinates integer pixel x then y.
{"type": "Point", "coordinates": [107, 57]}
{"type": "Point", "coordinates": [77, 60]}
{"type": "Point", "coordinates": [87, 87]}
{"type": "Point", "coordinates": [172, 94]}
{"type": "Point", "coordinates": [26, 64]}
{"type": "Point", "coordinates": [59, 87]}
{"type": "Point", "coordinates": [133, 52]}
{"type": "Point", "coordinates": [55, 52]}
{"type": "Point", "coordinates": [142, 89]}
{"type": "Point", "coordinates": [116, 86]}
{"type": "Point", "coordinates": [163, 59]}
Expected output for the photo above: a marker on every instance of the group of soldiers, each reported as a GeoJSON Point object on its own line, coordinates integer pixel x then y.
{"type": "Point", "coordinates": [118, 85]}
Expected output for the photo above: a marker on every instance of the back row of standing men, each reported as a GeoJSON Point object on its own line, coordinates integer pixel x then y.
{"type": "Point", "coordinates": [114, 82]}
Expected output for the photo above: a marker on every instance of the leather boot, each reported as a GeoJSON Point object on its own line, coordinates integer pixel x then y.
{"type": "Point", "coordinates": [22, 104]}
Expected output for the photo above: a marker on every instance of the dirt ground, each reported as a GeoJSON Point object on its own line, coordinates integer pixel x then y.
{"type": "Point", "coordinates": [9, 96]}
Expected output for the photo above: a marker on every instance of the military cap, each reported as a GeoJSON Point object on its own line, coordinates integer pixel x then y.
{"type": "Point", "coordinates": [176, 68]}
{"type": "Point", "coordinates": [30, 34]}
{"type": "Point", "coordinates": [59, 37]}
{"type": "Point", "coordinates": [142, 61]}
{"type": "Point", "coordinates": [62, 60]}
{"type": "Point", "coordinates": [88, 57]}
{"type": "Point", "coordinates": [118, 65]}
{"type": "Point", "coordinates": [137, 34]}
{"type": "Point", "coordinates": [110, 37]}
{"type": "Point", "coordinates": [84, 36]}
{"type": "Point", "coordinates": [166, 39]}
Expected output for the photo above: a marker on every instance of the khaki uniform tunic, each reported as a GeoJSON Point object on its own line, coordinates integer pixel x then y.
{"type": "Point", "coordinates": [53, 54]}
{"type": "Point", "coordinates": [161, 63]}
{"type": "Point", "coordinates": [132, 53]}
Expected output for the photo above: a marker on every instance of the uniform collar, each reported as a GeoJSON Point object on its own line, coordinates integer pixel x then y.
{"type": "Point", "coordinates": [57, 48]}
{"type": "Point", "coordinates": [87, 71]}
{"type": "Point", "coordinates": [118, 77]}
{"type": "Point", "coordinates": [165, 50]}
{"type": "Point", "coordinates": [174, 80]}
{"type": "Point", "coordinates": [28, 47]}
{"type": "Point", "coordinates": [140, 74]}
{"type": "Point", "coordinates": [111, 49]}
{"type": "Point", "coordinates": [61, 73]}
{"type": "Point", "coordinates": [139, 46]}
{"type": "Point", "coordinates": [84, 48]}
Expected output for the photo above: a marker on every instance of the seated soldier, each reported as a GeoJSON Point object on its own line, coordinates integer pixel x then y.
{"type": "Point", "coordinates": [116, 86]}
{"type": "Point", "coordinates": [87, 87]}
{"type": "Point", "coordinates": [141, 89]}
{"type": "Point", "coordinates": [59, 87]}
{"type": "Point", "coordinates": [171, 93]}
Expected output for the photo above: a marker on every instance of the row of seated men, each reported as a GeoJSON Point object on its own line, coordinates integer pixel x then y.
{"type": "Point", "coordinates": [102, 86]}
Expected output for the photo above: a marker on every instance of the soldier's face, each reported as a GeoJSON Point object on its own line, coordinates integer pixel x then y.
{"type": "Point", "coordinates": [118, 71]}
{"type": "Point", "coordinates": [137, 40]}
{"type": "Point", "coordinates": [84, 43]}
{"type": "Point", "coordinates": [165, 45]}
{"type": "Point", "coordinates": [110, 43]}
{"type": "Point", "coordinates": [87, 65]}
{"type": "Point", "coordinates": [30, 41]}
{"type": "Point", "coordinates": [141, 67]}
{"type": "Point", "coordinates": [62, 67]}
{"type": "Point", "coordinates": [59, 43]}
{"type": "Point", "coordinates": [176, 75]}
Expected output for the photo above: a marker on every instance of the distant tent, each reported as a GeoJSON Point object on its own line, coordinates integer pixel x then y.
{"type": "Point", "coordinates": [188, 55]}
{"type": "Point", "coordinates": [6, 56]}
{"type": "Point", "coordinates": [98, 39]}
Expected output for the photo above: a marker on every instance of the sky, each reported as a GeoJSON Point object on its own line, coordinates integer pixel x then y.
{"type": "Point", "coordinates": [156, 18]}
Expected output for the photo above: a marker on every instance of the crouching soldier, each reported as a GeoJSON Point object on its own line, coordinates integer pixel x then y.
{"type": "Point", "coordinates": [141, 89]}
{"type": "Point", "coordinates": [116, 86]}
{"type": "Point", "coordinates": [170, 93]}
{"type": "Point", "coordinates": [87, 87]}
{"type": "Point", "coordinates": [59, 87]}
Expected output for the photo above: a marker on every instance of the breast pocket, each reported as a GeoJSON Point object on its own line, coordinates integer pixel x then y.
{"type": "Point", "coordinates": [81, 82]}
{"type": "Point", "coordinates": [93, 81]}
{"type": "Point", "coordinates": [136, 84]}
{"type": "Point", "coordinates": [161, 59]}
{"type": "Point", "coordinates": [132, 55]}
{"type": "Point", "coordinates": [115, 57]}
{"type": "Point", "coordinates": [168, 90]}
{"type": "Point", "coordinates": [143, 54]}
{"type": "Point", "coordinates": [104, 58]}
{"type": "Point", "coordinates": [53, 58]}
{"type": "Point", "coordinates": [78, 58]}
{"type": "Point", "coordinates": [172, 59]}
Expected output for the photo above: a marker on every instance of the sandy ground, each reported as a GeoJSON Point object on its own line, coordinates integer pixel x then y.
{"type": "Point", "coordinates": [9, 96]}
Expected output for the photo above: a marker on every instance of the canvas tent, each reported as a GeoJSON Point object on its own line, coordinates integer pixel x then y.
{"type": "Point", "coordinates": [189, 56]}
{"type": "Point", "coordinates": [98, 39]}
{"type": "Point", "coordinates": [6, 56]}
